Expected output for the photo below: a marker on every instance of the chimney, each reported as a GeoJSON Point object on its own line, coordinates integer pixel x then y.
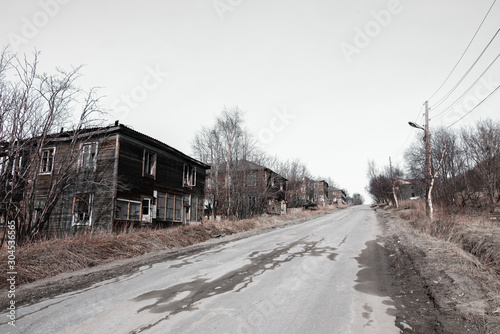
{"type": "Point", "coordinates": [62, 129]}
{"type": "Point", "coordinates": [117, 122]}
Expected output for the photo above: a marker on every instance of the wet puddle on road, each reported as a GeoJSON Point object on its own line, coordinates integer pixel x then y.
{"type": "Point", "coordinates": [182, 297]}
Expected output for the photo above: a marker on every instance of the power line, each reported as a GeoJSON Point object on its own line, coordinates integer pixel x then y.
{"type": "Point", "coordinates": [458, 120]}
{"type": "Point", "coordinates": [465, 51]}
{"type": "Point", "coordinates": [470, 87]}
{"type": "Point", "coordinates": [466, 73]}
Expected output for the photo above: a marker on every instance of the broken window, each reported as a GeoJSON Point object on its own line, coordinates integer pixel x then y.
{"type": "Point", "coordinates": [252, 180]}
{"type": "Point", "coordinates": [10, 167]}
{"type": "Point", "coordinates": [82, 209]}
{"type": "Point", "coordinates": [149, 166]}
{"type": "Point", "coordinates": [38, 205]}
{"type": "Point", "coordinates": [251, 202]}
{"type": "Point", "coordinates": [89, 156]}
{"type": "Point", "coordinates": [47, 162]}
{"type": "Point", "coordinates": [4, 160]}
{"type": "Point", "coordinates": [189, 176]}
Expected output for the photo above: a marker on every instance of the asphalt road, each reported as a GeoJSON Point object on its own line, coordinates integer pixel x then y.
{"type": "Point", "coordinates": [322, 276]}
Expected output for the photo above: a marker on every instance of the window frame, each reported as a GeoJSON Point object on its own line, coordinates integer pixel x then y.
{"type": "Point", "coordinates": [253, 178]}
{"type": "Point", "coordinates": [149, 164]}
{"type": "Point", "coordinates": [188, 176]}
{"type": "Point", "coordinates": [128, 201]}
{"type": "Point", "coordinates": [41, 169]}
{"type": "Point", "coordinates": [92, 162]}
{"type": "Point", "coordinates": [76, 221]}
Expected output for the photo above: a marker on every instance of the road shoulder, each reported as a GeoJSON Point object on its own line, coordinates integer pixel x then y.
{"type": "Point", "coordinates": [437, 286]}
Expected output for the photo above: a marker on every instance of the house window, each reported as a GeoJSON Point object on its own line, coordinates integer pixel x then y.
{"type": "Point", "coordinates": [189, 176]}
{"type": "Point", "coordinates": [178, 209]}
{"type": "Point", "coordinates": [89, 156]}
{"type": "Point", "coordinates": [47, 162]}
{"type": "Point", "coordinates": [161, 206]}
{"type": "Point", "coordinates": [4, 161]}
{"type": "Point", "coordinates": [10, 171]}
{"type": "Point", "coordinates": [252, 180]}
{"type": "Point", "coordinates": [149, 166]}
{"type": "Point", "coordinates": [170, 207]}
{"type": "Point", "coordinates": [82, 209]}
{"type": "Point", "coordinates": [251, 202]}
{"type": "Point", "coordinates": [127, 210]}
{"type": "Point", "coordinates": [200, 209]}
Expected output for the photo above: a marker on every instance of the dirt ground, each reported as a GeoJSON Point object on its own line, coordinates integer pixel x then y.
{"type": "Point", "coordinates": [438, 287]}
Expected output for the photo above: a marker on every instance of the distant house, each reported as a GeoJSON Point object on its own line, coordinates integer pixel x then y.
{"type": "Point", "coordinates": [306, 193]}
{"type": "Point", "coordinates": [337, 196]}
{"type": "Point", "coordinates": [321, 196]}
{"type": "Point", "coordinates": [245, 188]}
{"type": "Point", "coordinates": [410, 188]}
{"type": "Point", "coordinates": [120, 178]}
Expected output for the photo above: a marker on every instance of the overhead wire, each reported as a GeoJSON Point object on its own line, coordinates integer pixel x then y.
{"type": "Point", "coordinates": [468, 89]}
{"type": "Point", "coordinates": [466, 73]}
{"type": "Point", "coordinates": [477, 105]}
{"type": "Point", "coordinates": [465, 51]}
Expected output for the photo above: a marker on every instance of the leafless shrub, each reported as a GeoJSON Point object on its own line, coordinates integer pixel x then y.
{"type": "Point", "coordinates": [473, 230]}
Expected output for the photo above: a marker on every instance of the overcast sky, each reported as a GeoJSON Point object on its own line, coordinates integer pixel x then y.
{"type": "Point", "coordinates": [333, 83]}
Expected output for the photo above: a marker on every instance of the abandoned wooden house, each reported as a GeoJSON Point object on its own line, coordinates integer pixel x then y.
{"type": "Point", "coordinates": [119, 178]}
{"type": "Point", "coordinates": [337, 196]}
{"type": "Point", "coordinates": [243, 189]}
{"type": "Point", "coordinates": [410, 189]}
{"type": "Point", "coordinates": [305, 195]}
{"type": "Point", "coordinates": [320, 196]}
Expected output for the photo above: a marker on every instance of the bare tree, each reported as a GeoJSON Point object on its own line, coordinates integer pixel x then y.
{"type": "Point", "coordinates": [383, 184]}
{"type": "Point", "coordinates": [482, 152]}
{"type": "Point", "coordinates": [32, 107]}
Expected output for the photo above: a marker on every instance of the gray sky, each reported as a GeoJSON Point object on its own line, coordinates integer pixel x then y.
{"type": "Point", "coordinates": [333, 83]}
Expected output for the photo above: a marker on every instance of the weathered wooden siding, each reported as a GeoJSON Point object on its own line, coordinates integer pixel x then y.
{"type": "Point", "coordinates": [167, 179]}
{"type": "Point", "coordinates": [98, 182]}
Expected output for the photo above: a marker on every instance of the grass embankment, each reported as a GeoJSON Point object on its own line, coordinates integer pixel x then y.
{"type": "Point", "coordinates": [51, 257]}
{"type": "Point", "coordinates": [476, 232]}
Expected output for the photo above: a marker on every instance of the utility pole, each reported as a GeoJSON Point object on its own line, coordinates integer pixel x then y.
{"type": "Point", "coordinates": [428, 178]}
{"type": "Point", "coordinates": [395, 198]}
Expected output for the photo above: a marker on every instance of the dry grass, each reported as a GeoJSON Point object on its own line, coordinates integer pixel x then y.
{"type": "Point", "coordinates": [475, 232]}
{"type": "Point", "coordinates": [48, 258]}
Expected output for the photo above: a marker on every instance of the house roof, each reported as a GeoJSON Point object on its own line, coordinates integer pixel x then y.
{"type": "Point", "coordinates": [245, 165]}
{"type": "Point", "coordinates": [128, 131]}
